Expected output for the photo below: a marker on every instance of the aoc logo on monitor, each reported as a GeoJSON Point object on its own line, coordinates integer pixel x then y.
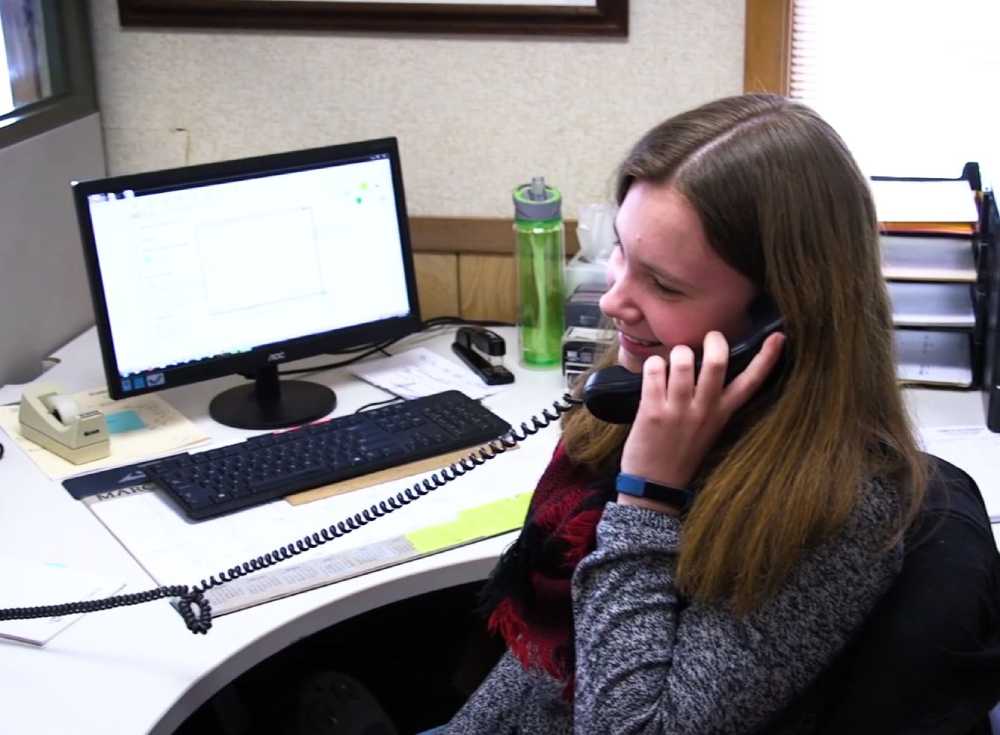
{"type": "Point", "coordinates": [276, 356]}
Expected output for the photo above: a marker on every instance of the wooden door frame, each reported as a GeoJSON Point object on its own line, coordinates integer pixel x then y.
{"type": "Point", "coordinates": [768, 46]}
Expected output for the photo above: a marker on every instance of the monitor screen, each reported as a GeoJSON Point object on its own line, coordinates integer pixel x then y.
{"type": "Point", "coordinates": [236, 267]}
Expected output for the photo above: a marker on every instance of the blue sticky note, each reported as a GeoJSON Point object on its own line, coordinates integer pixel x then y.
{"type": "Point", "coordinates": [119, 423]}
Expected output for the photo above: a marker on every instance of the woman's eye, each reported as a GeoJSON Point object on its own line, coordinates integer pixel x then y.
{"type": "Point", "coordinates": [665, 288]}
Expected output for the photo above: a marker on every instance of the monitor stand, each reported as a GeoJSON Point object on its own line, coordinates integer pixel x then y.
{"type": "Point", "coordinates": [269, 403]}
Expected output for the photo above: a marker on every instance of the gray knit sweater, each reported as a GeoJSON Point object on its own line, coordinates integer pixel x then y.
{"type": "Point", "coordinates": [648, 663]}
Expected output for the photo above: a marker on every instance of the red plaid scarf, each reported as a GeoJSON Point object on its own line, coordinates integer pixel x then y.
{"type": "Point", "coordinates": [528, 595]}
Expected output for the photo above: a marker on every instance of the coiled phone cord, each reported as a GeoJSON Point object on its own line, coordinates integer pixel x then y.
{"type": "Point", "coordinates": [197, 611]}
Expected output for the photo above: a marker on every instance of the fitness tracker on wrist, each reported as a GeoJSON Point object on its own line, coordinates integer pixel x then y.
{"type": "Point", "coordinates": [640, 487]}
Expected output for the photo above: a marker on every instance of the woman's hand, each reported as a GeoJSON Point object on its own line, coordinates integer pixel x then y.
{"type": "Point", "coordinates": [678, 419]}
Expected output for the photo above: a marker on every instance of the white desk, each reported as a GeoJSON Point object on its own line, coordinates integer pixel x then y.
{"type": "Point", "coordinates": [138, 669]}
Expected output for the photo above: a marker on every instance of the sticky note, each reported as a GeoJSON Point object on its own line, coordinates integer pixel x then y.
{"type": "Point", "coordinates": [119, 423]}
{"type": "Point", "coordinates": [480, 522]}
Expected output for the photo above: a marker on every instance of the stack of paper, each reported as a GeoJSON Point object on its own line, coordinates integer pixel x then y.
{"type": "Point", "coordinates": [932, 305]}
{"type": "Point", "coordinates": [938, 259]}
{"type": "Point", "coordinates": [934, 358]}
{"type": "Point", "coordinates": [928, 248]}
{"type": "Point", "coordinates": [420, 372]}
{"type": "Point", "coordinates": [942, 207]}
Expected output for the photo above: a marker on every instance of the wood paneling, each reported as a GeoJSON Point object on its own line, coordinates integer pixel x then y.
{"type": "Point", "coordinates": [465, 266]}
{"type": "Point", "coordinates": [768, 47]}
{"type": "Point", "coordinates": [472, 235]}
{"type": "Point", "coordinates": [487, 287]}
{"type": "Point", "coordinates": [437, 284]}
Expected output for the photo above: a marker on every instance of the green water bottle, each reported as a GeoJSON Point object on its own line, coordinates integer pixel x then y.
{"type": "Point", "coordinates": [539, 239]}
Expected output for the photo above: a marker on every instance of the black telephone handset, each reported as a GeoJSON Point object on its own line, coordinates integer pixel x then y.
{"type": "Point", "coordinates": [613, 394]}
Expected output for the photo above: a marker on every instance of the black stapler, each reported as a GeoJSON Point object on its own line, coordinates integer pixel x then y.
{"type": "Point", "coordinates": [470, 342]}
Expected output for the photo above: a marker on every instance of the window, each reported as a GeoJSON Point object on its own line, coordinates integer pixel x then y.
{"type": "Point", "coordinates": [45, 56]}
{"type": "Point", "coordinates": [6, 91]}
{"type": "Point", "coordinates": [909, 84]}
{"type": "Point", "coordinates": [25, 54]}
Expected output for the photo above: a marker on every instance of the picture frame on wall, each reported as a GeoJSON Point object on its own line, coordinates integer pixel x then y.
{"type": "Point", "coordinates": [511, 17]}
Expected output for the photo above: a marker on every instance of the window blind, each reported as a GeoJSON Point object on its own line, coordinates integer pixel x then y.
{"type": "Point", "coordinates": [913, 86]}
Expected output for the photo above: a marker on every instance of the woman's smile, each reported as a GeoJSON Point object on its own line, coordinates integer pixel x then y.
{"type": "Point", "coordinates": [638, 341]}
{"type": "Point", "coordinates": [638, 348]}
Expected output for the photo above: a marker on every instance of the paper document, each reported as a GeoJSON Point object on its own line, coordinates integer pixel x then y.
{"type": "Point", "coordinates": [174, 550]}
{"type": "Point", "coordinates": [932, 305]}
{"type": "Point", "coordinates": [974, 449]}
{"type": "Point", "coordinates": [140, 428]}
{"type": "Point", "coordinates": [924, 201]}
{"type": "Point", "coordinates": [928, 259]}
{"type": "Point", "coordinates": [933, 358]}
{"type": "Point", "coordinates": [471, 525]}
{"type": "Point", "coordinates": [420, 372]}
{"type": "Point", "coordinates": [32, 583]}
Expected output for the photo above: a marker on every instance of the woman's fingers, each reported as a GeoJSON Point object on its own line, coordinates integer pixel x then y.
{"type": "Point", "coordinates": [712, 375]}
{"type": "Point", "coordinates": [680, 385]}
{"type": "Point", "coordinates": [752, 378]}
{"type": "Point", "coordinates": [654, 382]}
{"type": "Point", "coordinates": [680, 416]}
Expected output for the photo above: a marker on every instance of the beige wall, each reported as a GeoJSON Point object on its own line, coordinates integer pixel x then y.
{"type": "Point", "coordinates": [475, 115]}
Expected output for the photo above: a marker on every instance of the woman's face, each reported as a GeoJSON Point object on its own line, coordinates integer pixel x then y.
{"type": "Point", "coordinates": [667, 286]}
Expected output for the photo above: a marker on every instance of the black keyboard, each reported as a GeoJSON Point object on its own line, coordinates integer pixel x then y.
{"type": "Point", "coordinates": [270, 466]}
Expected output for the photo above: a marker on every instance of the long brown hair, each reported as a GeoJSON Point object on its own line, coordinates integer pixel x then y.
{"type": "Point", "coordinates": [783, 202]}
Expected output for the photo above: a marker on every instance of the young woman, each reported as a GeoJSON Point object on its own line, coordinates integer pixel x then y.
{"type": "Point", "coordinates": [774, 505]}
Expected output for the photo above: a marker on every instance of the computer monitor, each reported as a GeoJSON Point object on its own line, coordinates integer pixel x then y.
{"type": "Point", "coordinates": [237, 267]}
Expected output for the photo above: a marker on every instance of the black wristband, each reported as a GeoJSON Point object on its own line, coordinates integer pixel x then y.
{"type": "Point", "coordinates": [640, 487]}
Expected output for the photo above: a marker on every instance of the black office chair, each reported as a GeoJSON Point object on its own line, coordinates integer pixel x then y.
{"type": "Point", "coordinates": [927, 660]}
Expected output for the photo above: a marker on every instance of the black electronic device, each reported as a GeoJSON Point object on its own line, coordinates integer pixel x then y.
{"type": "Point", "coordinates": [582, 347]}
{"type": "Point", "coordinates": [472, 343]}
{"type": "Point", "coordinates": [613, 394]}
{"type": "Point", "coordinates": [269, 466]}
{"type": "Point", "coordinates": [237, 267]}
{"type": "Point", "coordinates": [583, 307]}
{"type": "Point", "coordinates": [989, 288]}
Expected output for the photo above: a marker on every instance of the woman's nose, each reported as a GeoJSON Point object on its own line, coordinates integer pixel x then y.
{"type": "Point", "coordinates": [616, 303]}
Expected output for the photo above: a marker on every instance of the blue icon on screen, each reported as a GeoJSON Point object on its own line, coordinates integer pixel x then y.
{"type": "Point", "coordinates": [138, 382]}
{"type": "Point", "coordinates": [126, 383]}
